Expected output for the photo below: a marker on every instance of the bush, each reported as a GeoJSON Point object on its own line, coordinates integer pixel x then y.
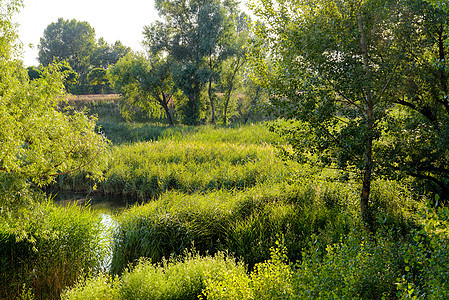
{"type": "Point", "coordinates": [359, 267]}
{"type": "Point", "coordinates": [269, 280]}
{"type": "Point", "coordinates": [426, 256]}
{"type": "Point", "coordinates": [182, 277]}
{"type": "Point", "coordinates": [48, 248]}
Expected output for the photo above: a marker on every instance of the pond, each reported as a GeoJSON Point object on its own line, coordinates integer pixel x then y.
{"type": "Point", "coordinates": [106, 204]}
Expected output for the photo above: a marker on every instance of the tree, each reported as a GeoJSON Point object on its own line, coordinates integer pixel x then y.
{"type": "Point", "coordinates": [71, 41]}
{"type": "Point", "coordinates": [418, 134]}
{"type": "Point", "coordinates": [105, 55]}
{"type": "Point", "coordinates": [74, 42]}
{"type": "Point", "coordinates": [98, 77]}
{"type": "Point", "coordinates": [144, 82]}
{"type": "Point", "coordinates": [33, 73]}
{"type": "Point", "coordinates": [332, 67]}
{"type": "Point", "coordinates": [231, 67]}
{"type": "Point", "coordinates": [37, 141]}
{"type": "Point", "coordinates": [193, 35]}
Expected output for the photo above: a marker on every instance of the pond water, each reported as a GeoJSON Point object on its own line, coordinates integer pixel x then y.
{"type": "Point", "coordinates": [106, 204]}
{"type": "Point", "coordinates": [107, 208]}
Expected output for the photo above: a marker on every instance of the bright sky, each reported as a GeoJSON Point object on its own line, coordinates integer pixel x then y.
{"type": "Point", "coordinates": [112, 19]}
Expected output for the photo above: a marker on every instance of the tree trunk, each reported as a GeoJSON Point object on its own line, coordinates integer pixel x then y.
{"type": "Point", "coordinates": [368, 152]}
{"type": "Point", "coordinates": [366, 183]}
{"type": "Point", "coordinates": [212, 104]}
{"type": "Point", "coordinates": [164, 104]}
{"type": "Point", "coordinates": [229, 91]}
{"type": "Point", "coordinates": [253, 103]}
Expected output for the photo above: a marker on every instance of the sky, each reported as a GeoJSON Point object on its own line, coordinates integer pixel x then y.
{"type": "Point", "coordinates": [112, 19]}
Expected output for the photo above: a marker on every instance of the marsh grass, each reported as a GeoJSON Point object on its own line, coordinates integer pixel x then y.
{"type": "Point", "coordinates": [187, 159]}
{"type": "Point", "coordinates": [48, 248]}
{"type": "Point", "coordinates": [246, 222]}
{"type": "Point", "coordinates": [147, 170]}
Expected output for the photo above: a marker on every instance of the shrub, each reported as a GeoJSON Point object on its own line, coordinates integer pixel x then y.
{"type": "Point", "coordinates": [269, 280]}
{"type": "Point", "coordinates": [426, 256]}
{"type": "Point", "coordinates": [182, 277]}
{"type": "Point", "coordinates": [94, 288]}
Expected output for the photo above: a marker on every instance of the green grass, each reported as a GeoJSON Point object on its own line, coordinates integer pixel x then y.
{"type": "Point", "coordinates": [216, 189]}
{"type": "Point", "coordinates": [247, 222]}
{"type": "Point", "coordinates": [45, 248]}
{"type": "Point", "coordinates": [189, 159]}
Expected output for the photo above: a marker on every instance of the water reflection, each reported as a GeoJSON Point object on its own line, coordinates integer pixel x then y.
{"type": "Point", "coordinates": [109, 225]}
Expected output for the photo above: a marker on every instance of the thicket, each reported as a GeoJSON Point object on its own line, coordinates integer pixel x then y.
{"type": "Point", "coordinates": [388, 265]}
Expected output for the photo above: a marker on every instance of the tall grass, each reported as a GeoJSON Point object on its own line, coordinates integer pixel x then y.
{"type": "Point", "coordinates": [146, 170]}
{"type": "Point", "coordinates": [126, 133]}
{"type": "Point", "coordinates": [246, 222]}
{"type": "Point", "coordinates": [47, 249]}
{"type": "Point", "coordinates": [200, 161]}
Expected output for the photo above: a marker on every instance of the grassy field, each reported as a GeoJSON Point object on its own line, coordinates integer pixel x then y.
{"type": "Point", "coordinates": [220, 214]}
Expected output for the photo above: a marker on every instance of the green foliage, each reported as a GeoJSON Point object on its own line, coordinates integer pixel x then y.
{"type": "Point", "coordinates": [94, 288]}
{"type": "Point", "coordinates": [98, 76]}
{"type": "Point", "coordinates": [246, 222]}
{"type": "Point", "coordinates": [33, 73]}
{"type": "Point", "coordinates": [426, 257]}
{"type": "Point", "coordinates": [44, 249]}
{"type": "Point", "coordinates": [39, 141]}
{"type": "Point", "coordinates": [74, 42]}
{"type": "Point", "coordinates": [145, 83]}
{"type": "Point", "coordinates": [71, 41]}
{"type": "Point", "coordinates": [105, 55]}
{"type": "Point", "coordinates": [175, 278]}
{"type": "Point", "coordinates": [196, 36]}
{"type": "Point", "coordinates": [271, 279]}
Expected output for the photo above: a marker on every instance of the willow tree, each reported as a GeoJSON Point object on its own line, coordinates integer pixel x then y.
{"type": "Point", "coordinates": [38, 141]}
{"type": "Point", "coordinates": [332, 66]}
{"type": "Point", "coordinates": [196, 36]}
{"type": "Point", "coordinates": [145, 83]}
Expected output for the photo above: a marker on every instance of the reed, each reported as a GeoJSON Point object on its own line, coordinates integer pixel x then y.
{"type": "Point", "coordinates": [48, 248]}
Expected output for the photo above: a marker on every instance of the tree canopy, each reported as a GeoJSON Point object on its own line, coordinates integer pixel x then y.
{"type": "Point", "coordinates": [340, 69]}
{"type": "Point", "coordinates": [38, 141]}
{"type": "Point", "coordinates": [145, 83]}
{"type": "Point", "coordinates": [74, 42]}
{"type": "Point", "coordinates": [195, 34]}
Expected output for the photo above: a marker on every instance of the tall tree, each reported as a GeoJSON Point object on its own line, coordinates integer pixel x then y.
{"type": "Point", "coordinates": [236, 59]}
{"type": "Point", "coordinates": [191, 33]}
{"type": "Point", "coordinates": [418, 139]}
{"type": "Point", "coordinates": [98, 77]}
{"type": "Point", "coordinates": [330, 67]}
{"type": "Point", "coordinates": [105, 55]}
{"type": "Point", "coordinates": [71, 41]}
